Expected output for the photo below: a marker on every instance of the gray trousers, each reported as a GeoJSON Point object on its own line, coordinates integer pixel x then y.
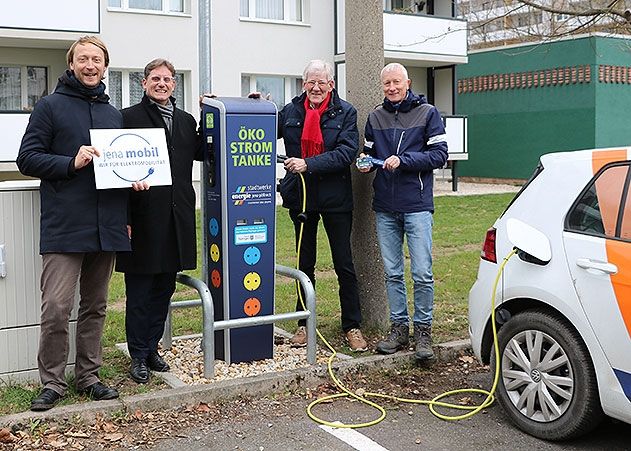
{"type": "Point", "coordinates": [60, 275]}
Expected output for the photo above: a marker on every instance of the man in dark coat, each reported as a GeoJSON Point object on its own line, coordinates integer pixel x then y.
{"type": "Point", "coordinates": [321, 139]}
{"type": "Point", "coordinates": [162, 222]}
{"type": "Point", "coordinates": [81, 228]}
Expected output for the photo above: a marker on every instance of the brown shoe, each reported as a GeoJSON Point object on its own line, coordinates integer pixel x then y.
{"type": "Point", "coordinates": [299, 340]}
{"type": "Point", "coordinates": [356, 340]}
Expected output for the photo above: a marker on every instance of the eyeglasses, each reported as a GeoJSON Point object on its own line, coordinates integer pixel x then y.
{"type": "Point", "coordinates": [156, 79]}
{"type": "Point", "coordinates": [321, 83]}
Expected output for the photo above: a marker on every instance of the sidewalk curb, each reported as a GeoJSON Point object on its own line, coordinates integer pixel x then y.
{"type": "Point", "coordinates": [261, 385]}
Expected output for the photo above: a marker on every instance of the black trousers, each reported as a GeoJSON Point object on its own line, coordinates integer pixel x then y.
{"type": "Point", "coordinates": [338, 230]}
{"type": "Point", "coordinates": [148, 297]}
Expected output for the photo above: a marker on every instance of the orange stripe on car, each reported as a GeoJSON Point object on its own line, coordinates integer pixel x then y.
{"type": "Point", "coordinates": [601, 158]}
{"type": "Point", "coordinates": [609, 196]}
{"type": "Point", "coordinates": [619, 255]}
{"type": "Point", "coordinates": [608, 191]}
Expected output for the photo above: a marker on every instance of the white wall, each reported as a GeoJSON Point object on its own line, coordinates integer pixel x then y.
{"type": "Point", "coordinates": [418, 75]}
{"type": "Point", "coordinates": [444, 93]}
{"type": "Point", "coordinates": [265, 47]}
{"type": "Point", "coordinates": [135, 38]}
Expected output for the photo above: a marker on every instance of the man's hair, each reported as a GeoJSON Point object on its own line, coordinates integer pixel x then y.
{"type": "Point", "coordinates": [392, 67]}
{"type": "Point", "coordinates": [157, 63]}
{"type": "Point", "coordinates": [318, 66]}
{"type": "Point", "coordinates": [88, 40]}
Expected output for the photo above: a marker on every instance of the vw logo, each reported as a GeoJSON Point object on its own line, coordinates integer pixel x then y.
{"type": "Point", "coordinates": [535, 375]}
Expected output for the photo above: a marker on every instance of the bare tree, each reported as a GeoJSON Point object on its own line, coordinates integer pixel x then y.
{"type": "Point", "coordinates": [499, 22]}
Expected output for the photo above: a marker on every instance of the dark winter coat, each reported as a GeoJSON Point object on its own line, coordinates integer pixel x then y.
{"type": "Point", "coordinates": [75, 217]}
{"type": "Point", "coordinates": [415, 132]}
{"type": "Point", "coordinates": [328, 176]}
{"type": "Point", "coordinates": [162, 218]}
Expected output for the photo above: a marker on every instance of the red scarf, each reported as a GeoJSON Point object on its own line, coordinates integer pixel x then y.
{"type": "Point", "coordinates": [311, 142]}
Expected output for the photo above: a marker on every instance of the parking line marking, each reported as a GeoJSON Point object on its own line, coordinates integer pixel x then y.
{"type": "Point", "coordinates": [354, 439]}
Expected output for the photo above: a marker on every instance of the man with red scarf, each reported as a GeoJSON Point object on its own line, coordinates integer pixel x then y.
{"type": "Point", "coordinates": [321, 140]}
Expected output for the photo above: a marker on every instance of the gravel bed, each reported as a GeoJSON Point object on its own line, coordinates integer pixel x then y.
{"type": "Point", "coordinates": [187, 362]}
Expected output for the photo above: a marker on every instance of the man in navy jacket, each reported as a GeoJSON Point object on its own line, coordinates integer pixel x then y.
{"type": "Point", "coordinates": [321, 140]}
{"type": "Point", "coordinates": [406, 137]}
{"type": "Point", "coordinates": [81, 228]}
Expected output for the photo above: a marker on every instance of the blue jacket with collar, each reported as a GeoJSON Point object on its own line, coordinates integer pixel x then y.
{"type": "Point", "coordinates": [328, 176]}
{"type": "Point", "coordinates": [414, 131]}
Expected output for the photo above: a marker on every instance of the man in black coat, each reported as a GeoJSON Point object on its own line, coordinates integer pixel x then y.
{"type": "Point", "coordinates": [321, 140]}
{"type": "Point", "coordinates": [161, 221]}
{"type": "Point", "coordinates": [81, 227]}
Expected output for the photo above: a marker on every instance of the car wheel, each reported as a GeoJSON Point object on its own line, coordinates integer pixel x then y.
{"type": "Point", "coordinates": [547, 383]}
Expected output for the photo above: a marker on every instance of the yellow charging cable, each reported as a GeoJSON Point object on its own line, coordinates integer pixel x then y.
{"type": "Point", "coordinates": [433, 403]}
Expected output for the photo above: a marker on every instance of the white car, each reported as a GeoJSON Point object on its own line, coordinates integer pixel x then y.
{"type": "Point", "coordinates": [563, 303]}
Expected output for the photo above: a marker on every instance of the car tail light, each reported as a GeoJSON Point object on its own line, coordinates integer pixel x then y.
{"type": "Point", "coordinates": [488, 249]}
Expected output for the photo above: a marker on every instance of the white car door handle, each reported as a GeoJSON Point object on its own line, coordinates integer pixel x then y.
{"type": "Point", "coordinates": [605, 267]}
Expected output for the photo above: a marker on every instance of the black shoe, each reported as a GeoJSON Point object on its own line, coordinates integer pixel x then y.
{"type": "Point", "coordinates": [99, 392]}
{"type": "Point", "coordinates": [399, 338]}
{"type": "Point", "coordinates": [46, 400]}
{"type": "Point", "coordinates": [423, 338]}
{"type": "Point", "coordinates": [139, 371]}
{"type": "Point", "coordinates": [155, 362]}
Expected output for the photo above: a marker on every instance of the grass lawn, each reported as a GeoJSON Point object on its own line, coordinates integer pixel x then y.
{"type": "Point", "coordinates": [460, 223]}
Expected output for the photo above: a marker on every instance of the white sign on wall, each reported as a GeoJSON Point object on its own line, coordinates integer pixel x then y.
{"type": "Point", "coordinates": [59, 15]}
{"type": "Point", "coordinates": [12, 128]}
{"type": "Point", "coordinates": [130, 155]}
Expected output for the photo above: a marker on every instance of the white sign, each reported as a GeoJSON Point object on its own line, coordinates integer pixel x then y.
{"type": "Point", "coordinates": [81, 16]}
{"type": "Point", "coordinates": [130, 155]}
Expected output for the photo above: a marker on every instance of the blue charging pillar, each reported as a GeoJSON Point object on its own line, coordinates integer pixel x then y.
{"type": "Point", "coordinates": [239, 205]}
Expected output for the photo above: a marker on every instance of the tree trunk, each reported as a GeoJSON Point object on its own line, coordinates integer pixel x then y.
{"type": "Point", "coordinates": [364, 61]}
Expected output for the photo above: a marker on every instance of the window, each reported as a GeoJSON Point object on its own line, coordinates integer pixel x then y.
{"type": "Point", "coordinates": [22, 86]}
{"type": "Point", "coordinates": [287, 10]}
{"type": "Point", "coordinates": [279, 90]}
{"type": "Point", "coordinates": [125, 88]}
{"type": "Point", "coordinates": [598, 210]}
{"type": "Point", "coordinates": [165, 6]}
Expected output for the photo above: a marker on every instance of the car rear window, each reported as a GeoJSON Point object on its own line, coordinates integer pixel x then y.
{"type": "Point", "coordinates": [538, 170]}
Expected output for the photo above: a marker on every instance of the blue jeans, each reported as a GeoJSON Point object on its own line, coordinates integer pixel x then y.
{"type": "Point", "coordinates": [417, 228]}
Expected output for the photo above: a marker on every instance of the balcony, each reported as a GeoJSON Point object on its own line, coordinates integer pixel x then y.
{"type": "Point", "coordinates": [425, 40]}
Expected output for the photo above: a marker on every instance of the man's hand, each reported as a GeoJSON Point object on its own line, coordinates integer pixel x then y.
{"type": "Point", "coordinates": [140, 186]}
{"type": "Point", "coordinates": [364, 168]}
{"type": "Point", "coordinates": [210, 95]}
{"type": "Point", "coordinates": [84, 156]}
{"type": "Point", "coordinates": [295, 165]}
{"type": "Point", "coordinates": [391, 163]}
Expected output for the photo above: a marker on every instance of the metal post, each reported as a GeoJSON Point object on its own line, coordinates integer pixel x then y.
{"type": "Point", "coordinates": [310, 304]}
{"type": "Point", "coordinates": [204, 46]}
{"type": "Point", "coordinates": [454, 176]}
{"type": "Point", "coordinates": [210, 326]}
{"type": "Point", "coordinates": [167, 333]}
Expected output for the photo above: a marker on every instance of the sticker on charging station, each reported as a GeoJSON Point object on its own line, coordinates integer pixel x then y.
{"type": "Point", "coordinates": [250, 234]}
{"type": "Point", "coordinates": [253, 194]}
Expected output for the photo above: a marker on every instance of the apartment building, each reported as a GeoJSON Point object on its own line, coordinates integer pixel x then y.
{"type": "Point", "coordinates": [255, 45]}
{"type": "Point", "coordinates": [35, 35]}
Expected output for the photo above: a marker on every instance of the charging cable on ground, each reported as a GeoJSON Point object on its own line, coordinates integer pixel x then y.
{"type": "Point", "coordinates": [433, 403]}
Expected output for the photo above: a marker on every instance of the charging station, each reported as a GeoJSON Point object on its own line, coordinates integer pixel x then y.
{"type": "Point", "coordinates": [239, 213]}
